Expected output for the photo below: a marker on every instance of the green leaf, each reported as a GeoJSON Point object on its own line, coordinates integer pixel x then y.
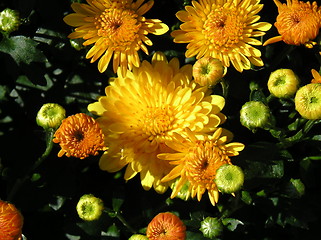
{"type": "Point", "coordinates": [113, 231]}
{"type": "Point", "coordinates": [258, 95]}
{"type": "Point", "coordinates": [231, 223]}
{"type": "Point", "coordinates": [246, 197]}
{"type": "Point", "coordinates": [22, 49]}
{"type": "Point", "coordinates": [118, 200]}
{"type": "Point", "coordinates": [194, 236]}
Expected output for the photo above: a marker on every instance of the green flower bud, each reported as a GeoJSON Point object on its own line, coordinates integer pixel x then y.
{"type": "Point", "coordinates": [211, 227]}
{"type": "Point", "coordinates": [89, 207]}
{"type": "Point", "coordinates": [255, 114]}
{"type": "Point", "coordinates": [308, 101]}
{"type": "Point", "coordinates": [229, 178]}
{"type": "Point", "coordinates": [50, 115]}
{"type": "Point", "coordinates": [138, 237]}
{"type": "Point", "coordinates": [283, 83]}
{"type": "Point", "coordinates": [9, 20]}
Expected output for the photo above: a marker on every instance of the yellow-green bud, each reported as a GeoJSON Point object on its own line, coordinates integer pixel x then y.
{"type": "Point", "coordinates": [89, 207]}
{"type": "Point", "coordinates": [138, 237]}
{"type": "Point", "coordinates": [308, 101]}
{"type": "Point", "coordinates": [255, 114]}
{"type": "Point", "coordinates": [229, 178]}
{"type": "Point", "coordinates": [283, 83]}
{"type": "Point", "coordinates": [208, 71]}
{"type": "Point", "coordinates": [9, 20]}
{"type": "Point", "coordinates": [50, 115]}
{"type": "Point", "coordinates": [211, 227]}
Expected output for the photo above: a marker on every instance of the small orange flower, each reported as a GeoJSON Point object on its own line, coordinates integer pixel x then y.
{"type": "Point", "coordinates": [297, 23]}
{"type": "Point", "coordinates": [11, 222]}
{"type": "Point", "coordinates": [316, 77]}
{"type": "Point", "coordinates": [166, 226]}
{"type": "Point", "coordinates": [79, 136]}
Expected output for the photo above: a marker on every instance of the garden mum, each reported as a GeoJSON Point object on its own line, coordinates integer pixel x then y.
{"type": "Point", "coordinates": [224, 30]}
{"type": "Point", "coordinates": [117, 29]}
{"type": "Point", "coordinates": [298, 23]}
{"type": "Point", "coordinates": [143, 109]}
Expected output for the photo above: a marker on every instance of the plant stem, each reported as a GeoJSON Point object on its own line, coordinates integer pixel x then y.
{"type": "Point", "coordinates": [125, 223]}
{"type": "Point", "coordinates": [21, 181]}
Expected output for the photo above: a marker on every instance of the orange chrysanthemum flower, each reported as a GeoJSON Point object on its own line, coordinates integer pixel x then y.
{"type": "Point", "coordinates": [115, 28]}
{"type": "Point", "coordinates": [197, 159]}
{"type": "Point", "coordinates": [79, 136]}
{"type": "Point", "coordinates": [297, 23]}
{"type": "Point", "coordinates": [143, 109]}
{"type": "Point", "coordinates": [316, 77]}
{"type": "Point", "coordinates": [11, 222]}
{"type": "Point", "coordinates": [224, 30]}
{"type": "Point", "coordinates": [166, 226]}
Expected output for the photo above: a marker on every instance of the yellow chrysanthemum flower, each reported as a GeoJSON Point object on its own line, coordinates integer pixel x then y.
{"type": "Point", "coordinates": [297, 23]}
{"type": "Point", "coordinates": [223, 29]}
{"type": "Point", "coordinates": [197, 159]}
{"type": "Point", "coordinates": [143, 109]}
{"type": "Point", "coordinates": [116, 28]}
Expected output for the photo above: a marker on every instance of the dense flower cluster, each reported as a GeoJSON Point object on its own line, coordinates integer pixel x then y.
{"type": "Point", "coordinates": [143, 110]}
{"type": "Point", "coordinates": [161, 120]}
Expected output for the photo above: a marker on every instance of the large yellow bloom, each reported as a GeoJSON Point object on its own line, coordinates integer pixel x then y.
{"type": "Point", "coordinates": [223, 29]}
{"type": "Point", "coordinates": [197, 159]}
{"type": "Point", "coordinates": [115, 28]}
{"type": "Point", "coordinates": [143, 109]}
{"type": "Point", "coordinates": [297, 23]}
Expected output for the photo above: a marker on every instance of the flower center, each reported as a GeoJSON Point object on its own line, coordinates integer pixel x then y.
{"type": "Point", "coordinates": [78, 135]}
{"type": "Point", "coordinates": [223, 28]}
{"type": "Point", "coordinates": [202, 163]}
{"type": "Point", "coordinates": [119, 27]}
{"type": "Point", "coordinates": [157, 122]}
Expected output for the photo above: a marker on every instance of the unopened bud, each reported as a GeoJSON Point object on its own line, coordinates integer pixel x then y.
{"type": "Point", "coordinates": [308, 101]}
{"type": "Point", "coordinates": [208, 71]}
{"type": "Point", "coordinates": [9, 20]}
{"type": "Point", "coordinates": [89, 207]}
{"type": "Point", "coordinates": [211, 227]}
{"type": "Point", "coordinates": [138, 237]}
{"type": "Point", "coordinates": [255, 114]}
{"type": "Point", "coordinates": [229, 178]}
{"type": "Point", "coordinates": [50, 115]}
{"type": "Point", "coordinates": [283, 83]}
